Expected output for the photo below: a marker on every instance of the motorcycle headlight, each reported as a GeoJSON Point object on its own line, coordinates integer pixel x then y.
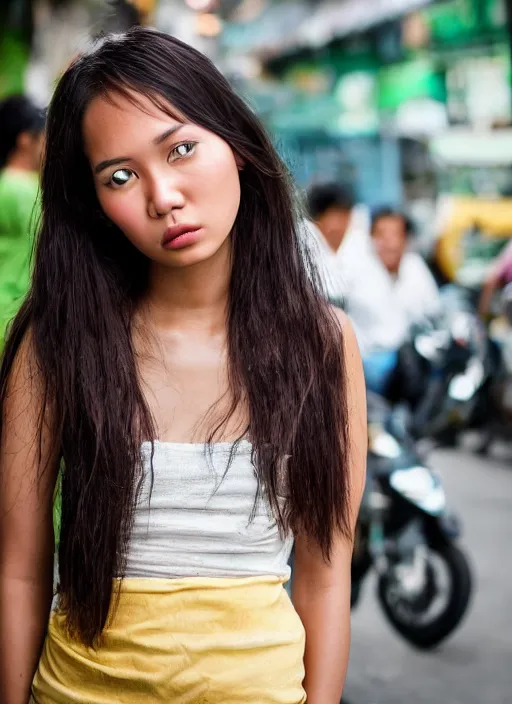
{"type": "Point", "coordinates": [432, 344]}
{"type": "Point", "coordinates": [462, 328]}
{"type": "Point", "coordinates": [464, 386]}
{"type": "Point", "coordinates": [421, 487]}
{"type": "Point", "coordinates": [469, 332]}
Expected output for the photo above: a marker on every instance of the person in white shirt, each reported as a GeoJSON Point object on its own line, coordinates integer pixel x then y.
{"type": "Point", "coordinates": [330, 209]}
{"type": "Point", "coordinates": [411, 283]}
{"type": "Point", "coordinates": [343, 223]}
{"type": "Point", "coordinates": [338, 235]}
{"type": "Point", "coordinates": [403, 293]}
{"type": "Point", "coordinates": [385, 288]}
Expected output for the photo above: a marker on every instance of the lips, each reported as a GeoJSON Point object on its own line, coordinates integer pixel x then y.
{"type": "Point", "coordinates": [177, 231]}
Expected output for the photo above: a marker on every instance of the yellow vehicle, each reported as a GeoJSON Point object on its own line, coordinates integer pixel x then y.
{"type": "Point", "coordinates": [474, 214]}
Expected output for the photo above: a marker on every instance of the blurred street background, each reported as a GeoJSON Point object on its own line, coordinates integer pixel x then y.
{"type": "Point", "coordinates": [404, 105]}
{"type": "Point", "coordinates": [474, 665]}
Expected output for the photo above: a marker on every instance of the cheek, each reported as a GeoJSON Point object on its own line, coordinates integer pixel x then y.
{"type": "Point", "coordinates": [233, 204]}
{"type": "Point", "coordinates": [122, 211]}
{"type": "Point", "coordinates": [219, 188]}
{"type": "Point", "coordinates": [378, 244]}
{"type": "Point", "coordinates": [337, 225]}
{"type": "Point", "coordinates": [387, 244]}
{"type": "Point", "coordinates": [397, 244]}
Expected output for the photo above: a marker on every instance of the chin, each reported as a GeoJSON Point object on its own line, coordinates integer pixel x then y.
{"type": "Point", "coordinates": [185, 261]}
{"type": "Point", "coordinates": [192, 256]}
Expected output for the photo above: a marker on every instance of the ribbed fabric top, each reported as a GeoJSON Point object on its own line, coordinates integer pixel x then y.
{"type": "Point", "coordinates": [197, 520]}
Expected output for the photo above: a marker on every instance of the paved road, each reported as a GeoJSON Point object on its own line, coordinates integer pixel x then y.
{"type": "Point", "coordinates": [475, 665]}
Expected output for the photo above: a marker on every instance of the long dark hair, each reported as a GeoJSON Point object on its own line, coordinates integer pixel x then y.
{"type": "Point", "coordinates": [285, 346]}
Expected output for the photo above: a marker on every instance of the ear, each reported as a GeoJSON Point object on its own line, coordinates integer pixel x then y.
{"type": "Point", "coordinates": [240, 162]}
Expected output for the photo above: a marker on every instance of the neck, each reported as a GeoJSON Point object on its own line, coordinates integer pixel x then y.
{"type": "Point", "coordinates": [194, 297]}
{"type": "Point", "coordinates": [394, 269]}
{"type": "Point", "coordinates": [334, 242]}
{"type": "Point", "coordinates": [21, 162]}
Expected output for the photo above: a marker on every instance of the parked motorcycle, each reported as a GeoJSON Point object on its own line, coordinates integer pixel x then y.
{"type": "Point", "coordinates": [406, 533]}
{"type": "Point", "coordinates": [457, 363]}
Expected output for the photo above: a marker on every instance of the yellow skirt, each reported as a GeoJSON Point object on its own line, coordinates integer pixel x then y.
{"type": "Point", "coordinates": [185, 641]}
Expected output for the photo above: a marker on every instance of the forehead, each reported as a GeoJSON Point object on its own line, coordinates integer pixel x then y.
{"type": "Point", "coordinates": [115, 121]}
{"type": "Point", "coordinates": [390, 221]}
{"type": "Point", "coordinates": [335, 211]}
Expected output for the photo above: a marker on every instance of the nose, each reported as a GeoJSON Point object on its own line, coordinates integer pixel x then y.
{"type": "Point", "coordinates": [164, 196]}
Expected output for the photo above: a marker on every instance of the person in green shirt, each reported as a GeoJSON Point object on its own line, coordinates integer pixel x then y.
{"type": "Point", "coordinates": [21, 147]}
{"type": "Point", "coordinates": [22, 127]}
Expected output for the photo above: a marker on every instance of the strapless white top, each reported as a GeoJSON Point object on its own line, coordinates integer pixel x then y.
{"type": "Point", "coordinates": [197, 517]}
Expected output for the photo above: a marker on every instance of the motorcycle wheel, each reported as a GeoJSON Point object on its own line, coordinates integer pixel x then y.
{"type": "Point", "coordinates": [426, 636]}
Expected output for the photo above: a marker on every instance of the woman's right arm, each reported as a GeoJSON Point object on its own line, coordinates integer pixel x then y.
{"type": "Point", "coordinates": [26, 529]}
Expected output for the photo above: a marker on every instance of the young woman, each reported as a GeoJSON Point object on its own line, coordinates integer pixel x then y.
{"type": "Point", "coordinates": [21, 144]}
{"type": "Point", "coordinates": [204, 404]}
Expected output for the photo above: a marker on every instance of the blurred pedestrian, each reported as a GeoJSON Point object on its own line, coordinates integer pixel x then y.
{"type": "Point", "coordinates": [208, 407]}
{"type": "Point", "coordinates": [21, 145]}
{"type": "Point", "coordinates": [414, 287]}
{"type": "Point", "coordinates": [337, 231]}
{"type": "Point", "coordinates": [384, 287]}
{"type": "Point", "coordinates": [405, 282]}
{"type": "Point", "coordinates": [330, 207]}
{"type": "Point", "coordinates": [343, 223]}
{"type": "Point", "coordinates": [400, 292]}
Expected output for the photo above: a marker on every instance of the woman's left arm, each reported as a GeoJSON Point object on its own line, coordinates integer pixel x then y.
{"type": "Point", "coordinates": [321, 590]}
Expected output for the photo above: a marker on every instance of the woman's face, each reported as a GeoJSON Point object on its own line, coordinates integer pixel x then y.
{"type": "Point", "coordinates": [172, 187]}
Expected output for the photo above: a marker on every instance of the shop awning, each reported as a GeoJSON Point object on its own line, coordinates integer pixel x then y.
{"type": "Point", "coordinates": [290, 25]}
{"type": "Point", "coordinates": [466, 147]}
{"type": "Point", "coordinates": [336, 19]}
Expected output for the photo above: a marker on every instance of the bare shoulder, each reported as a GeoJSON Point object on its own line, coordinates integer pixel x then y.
{"type": "Point", "coordinates": [355, 388]}
{"type": "Point", "coordinates": [340, 316]}
{"type": "Point", "coordinates": [347, 332]}
{"type": "Point", "coordinates": [352, 358]}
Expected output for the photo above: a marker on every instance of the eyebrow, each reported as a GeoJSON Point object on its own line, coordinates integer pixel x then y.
{"type": "Point", "coordinates": [167, 133]}
{"type": "Point", "coordinates": [122, 159]}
